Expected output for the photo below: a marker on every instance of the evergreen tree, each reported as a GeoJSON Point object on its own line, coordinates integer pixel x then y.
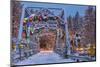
{"type": "Point", "coordinates": [70, 23]}
{"type": "Point", "coordinates": [76, 20]}
{"type": "Point", "coordinates": [16, 13]}
{"type": "Point", "coordinates": [89, 26]}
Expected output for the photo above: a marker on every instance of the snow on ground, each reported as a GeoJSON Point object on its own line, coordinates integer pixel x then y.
{"type": "Point", "coordinates": [44, 57]}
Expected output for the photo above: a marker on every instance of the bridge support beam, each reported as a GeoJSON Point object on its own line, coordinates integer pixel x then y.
{"type": "Point", "coordinates": [21, 24]}
{"type": "Point", "coordinates": [68, 47]}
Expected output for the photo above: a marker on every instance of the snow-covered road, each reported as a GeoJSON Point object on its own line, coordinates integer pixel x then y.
{"type": "Point", "coordinates": [44, 57]}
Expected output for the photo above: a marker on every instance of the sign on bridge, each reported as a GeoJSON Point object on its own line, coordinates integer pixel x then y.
{"type": "Point", "coordinates": [51, 26]}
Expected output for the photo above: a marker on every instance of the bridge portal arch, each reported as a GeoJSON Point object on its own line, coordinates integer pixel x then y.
{"type": "Point", "coordinates": [55, 26]}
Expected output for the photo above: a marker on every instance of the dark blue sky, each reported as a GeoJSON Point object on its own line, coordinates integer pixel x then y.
{"type": "Point", "coordinates": [69, 9]}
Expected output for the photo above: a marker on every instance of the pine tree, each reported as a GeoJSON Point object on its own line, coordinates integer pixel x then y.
{"type": "Point", "coordinates": [76, 21]}
{"type": "Point", "coordinates": [16, 13]}
{"type": "Point", "coordinates": [89, 26]}
{"type": "Point", "coordinates": [70, 23]}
